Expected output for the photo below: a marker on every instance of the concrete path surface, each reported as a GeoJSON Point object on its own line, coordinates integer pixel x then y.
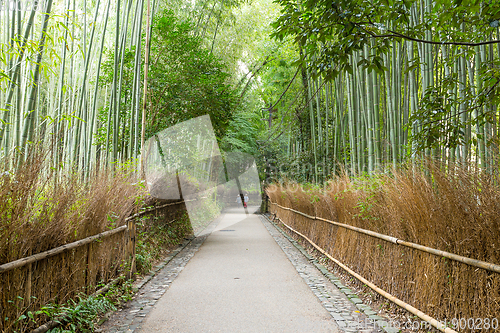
{"type": "Point", "coordinates": [239, 281]}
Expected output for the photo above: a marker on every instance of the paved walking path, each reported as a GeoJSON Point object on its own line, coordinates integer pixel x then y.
{"type": "Point", "coordinates": [236, 278]}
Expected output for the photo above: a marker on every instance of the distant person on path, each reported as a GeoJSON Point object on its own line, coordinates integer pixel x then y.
{"type": "Point", "coordinates": [245, 200]}
{"type": "Point", "coordinates": [238, 199]}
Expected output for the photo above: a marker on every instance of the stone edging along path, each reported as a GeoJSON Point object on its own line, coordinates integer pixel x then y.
{"type": "Point", "coordinates": [350, 314]}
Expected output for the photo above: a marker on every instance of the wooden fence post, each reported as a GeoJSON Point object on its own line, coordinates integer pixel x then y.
{"type": "Point", "coordinates": [27, 295]}
{"type": "Point", "coordinates": [131, 246]}
{"type": "Point", "coordinates": [87, 269]}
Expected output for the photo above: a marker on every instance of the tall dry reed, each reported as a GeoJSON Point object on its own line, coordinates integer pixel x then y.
{"type": "Point", "coordinates": [454, 209]}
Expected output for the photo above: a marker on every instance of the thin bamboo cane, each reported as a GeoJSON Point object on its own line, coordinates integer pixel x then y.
{"type": "Point", "coordinates": [312, 126]}
{"type": "Point", "coordinates": [352, 123]}
{"type": "Point", "coordinates": [114, 97]}
{"type": "Point", "coordinates": [375, 99]}
{"type": "Point", "coordinates": [120, 82]}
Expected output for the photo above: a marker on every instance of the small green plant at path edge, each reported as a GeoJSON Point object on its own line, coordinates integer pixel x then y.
{"type": "Point", "coordinates": [82, 314]}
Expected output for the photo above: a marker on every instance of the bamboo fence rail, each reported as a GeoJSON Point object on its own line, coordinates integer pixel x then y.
{"type": "Point", "coordinates": [156, 208]}
{"type": "Point", "coordinates": [44, 255]}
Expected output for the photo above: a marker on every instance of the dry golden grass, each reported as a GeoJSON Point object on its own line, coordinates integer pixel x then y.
{"type": "Point", "coordinates": [456, 210]}
{"type": "Point", "coordinates": [38, 212]}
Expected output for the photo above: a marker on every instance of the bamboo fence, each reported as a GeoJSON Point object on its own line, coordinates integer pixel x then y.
{"type": "Point", "coordinates": [469, 261]}
{"type": "Point", "coordinates": [59, 274]}
{"type": "Point", "coordinates": [403, 286]}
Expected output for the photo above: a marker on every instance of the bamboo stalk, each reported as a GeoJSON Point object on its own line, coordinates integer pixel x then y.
{"type": "Point", "coordinates": [17, 72]}
{"type": "Point", "coordinates": [96, 89]}
{"type": "Point", "coordinates": [368, 110]}
{"type": "Point", "coordinates": [133, 126]}
{"type": "Point", "coordinates": [351, 112]}
{"type": "Point", "coordinates": [29, 128]}
{"type": "Point", "coordinates": [312, 125]}
{"type": "Point", "coordinates": [144, 101]}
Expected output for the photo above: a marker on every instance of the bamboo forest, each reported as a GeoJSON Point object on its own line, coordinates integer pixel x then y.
{"type": "Point", "coordinates": [334, 86]}
{"type": "Point", "coordinates": [381, 115]}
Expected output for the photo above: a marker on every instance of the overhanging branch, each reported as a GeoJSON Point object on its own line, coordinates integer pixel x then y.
{"type": "Point", "coordinates": [395, 34]}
